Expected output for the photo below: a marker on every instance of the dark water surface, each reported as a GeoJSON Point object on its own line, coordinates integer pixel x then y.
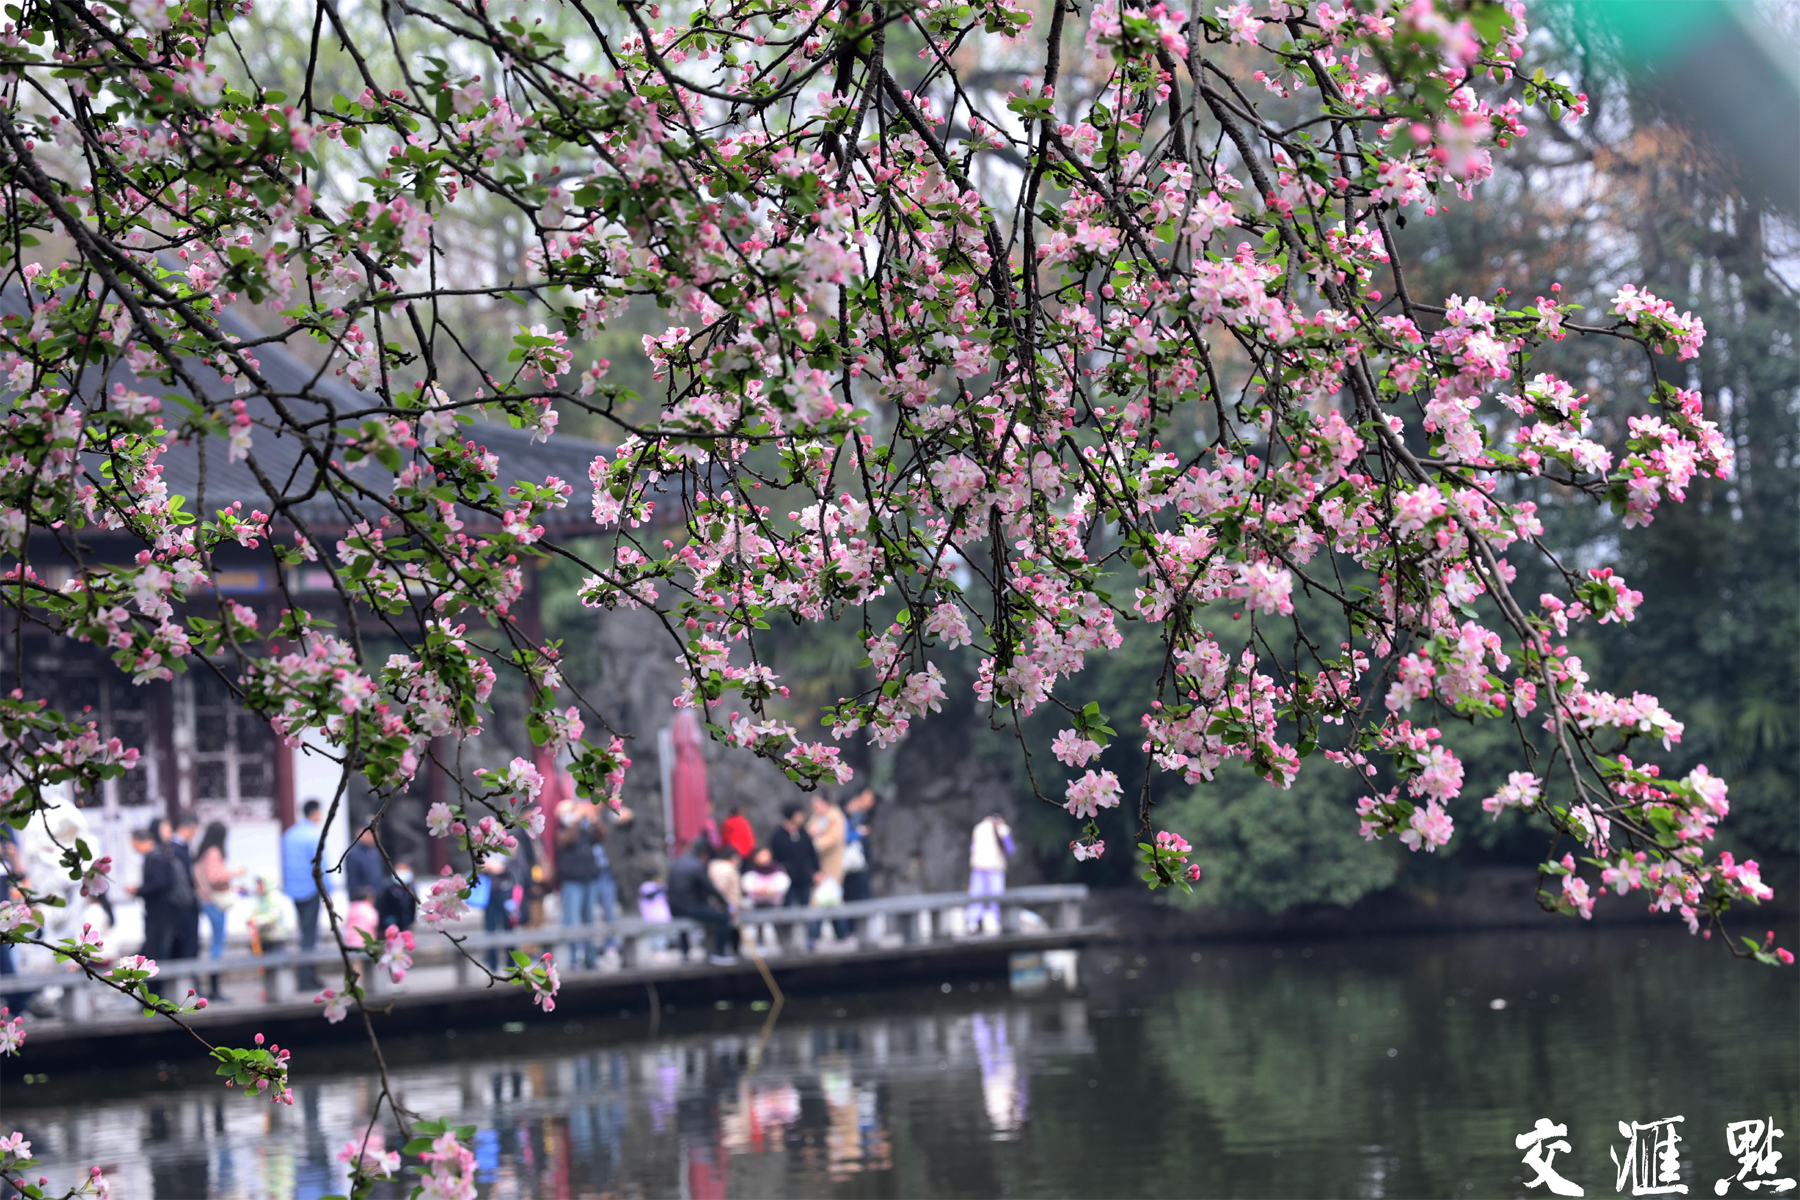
{"type": "Point", "coordinates": [1379, 1067]}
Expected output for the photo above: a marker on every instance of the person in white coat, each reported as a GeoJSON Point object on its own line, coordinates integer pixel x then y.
{"type": "Point", "coordinates": [989, 846]}
{"type": "Point", "coordinates": [41, 844]}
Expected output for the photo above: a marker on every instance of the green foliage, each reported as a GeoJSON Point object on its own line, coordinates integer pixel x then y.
{"type": "Point", "coordinates": [1264, 848]}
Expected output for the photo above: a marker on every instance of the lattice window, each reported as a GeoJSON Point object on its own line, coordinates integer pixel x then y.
{"type": "Point", "coordinates": [234, 777]}
{"type": "Point", "coordinates": [81, 680]}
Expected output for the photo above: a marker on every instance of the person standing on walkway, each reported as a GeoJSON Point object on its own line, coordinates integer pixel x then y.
{"type": "Point", "coordinates": [826, 828]}
{"type": "Point", "coordinates": [187, 922]}
{"type": "Point", "coordinates": [606, 884]}
{"type": "Point", "coordinates": [989, 846]}
{"type": "Point", "coordinates": [692, 895]}
{"type": "Point", "coordinates": [500, 869]}
{"type": "Point", "coordinates": [364, 866]}
{"type": "Point", "coordinates": [793, 848]}
{"type": "Point", "coordinates": [165, 894]}
{"type": "Point", "coordinates": [829, 832]}
{"type": "Point", "coordinates": [738, 834]}
{"type": "Point", "coordinates": [214, 885]}
{"type": "Point", "coordinates": [395, 903]}
{"type": "Point", "coordinates": [299, 845]}
{"type": "Point", "coordinates": [859, 804]}
{"type": "Point", "coordinates": [578, 872]}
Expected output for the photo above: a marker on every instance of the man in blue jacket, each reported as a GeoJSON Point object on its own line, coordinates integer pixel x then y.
{"type": "Point", "coordinates": [299, 845]}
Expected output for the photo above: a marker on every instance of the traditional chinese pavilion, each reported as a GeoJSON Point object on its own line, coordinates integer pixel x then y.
{"type": "Point", "coordinates": [199, 749]}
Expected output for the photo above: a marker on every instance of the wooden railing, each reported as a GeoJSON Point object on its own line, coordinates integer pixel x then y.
{"type": "Point", "coordinates": [915, 920]}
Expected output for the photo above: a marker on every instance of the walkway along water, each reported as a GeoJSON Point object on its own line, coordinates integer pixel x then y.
{"type": "Point", "coordinates": [896, 939]}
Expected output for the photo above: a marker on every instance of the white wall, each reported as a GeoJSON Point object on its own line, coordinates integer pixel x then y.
{"type": "Point", "coordinates": [256, 847]}
{"type": "Point", "coordinates": [316, 778]}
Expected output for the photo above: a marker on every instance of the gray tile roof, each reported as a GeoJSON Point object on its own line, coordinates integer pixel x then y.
{"type": "Point", "coordinates": [311, 395]}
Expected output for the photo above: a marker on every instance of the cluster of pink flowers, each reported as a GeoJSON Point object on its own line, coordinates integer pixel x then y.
{"type": "Point", "coordinates": [396, 953]}
{"type": "Point", "coordinates": [1094, 791]}
{"type": "Point", "coordinates": [1658, 317]}
{"type": "Point", "coordinates": [12, 1033]}
{"type": "Point", "coordinates": [448, 1169]}
{"type": "Point", "coordinates": [1176, 848]}
{"type": "Point", "coordinates": [447, 900]}
{"type": "Point", "coordinates": [369, 1158]}
{"type": "Point", "coordinates": [543, 980]}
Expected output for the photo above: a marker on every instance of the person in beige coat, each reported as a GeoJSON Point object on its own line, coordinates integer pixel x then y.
{"type": "Point", "coordinates": [725, 871]}
{"type": "Point", "coordinates": [826, 828]}
{"type": "Point", "coordinates": [829, 830]}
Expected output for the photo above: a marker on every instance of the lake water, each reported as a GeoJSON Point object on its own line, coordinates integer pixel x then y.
{"type": "Point", "coordinates": [1379, 1067]}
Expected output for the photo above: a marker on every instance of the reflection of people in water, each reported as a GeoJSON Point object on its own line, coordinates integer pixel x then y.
{"type": "Point", "coordinates": [843, 1141]}
{"type": "Point", "coordinates": [707, 1170]}
{"type": "Point", "coordinates": [1003, 1090]}
{"type": "Point", "coordinates": [746, 1125]}
{"type": "Point", "coordinates": [664, 1070]}
{"type": "Point", "coordinates": [855, 1141]}
{"type": "Point", "coordinates": [878, 1150]}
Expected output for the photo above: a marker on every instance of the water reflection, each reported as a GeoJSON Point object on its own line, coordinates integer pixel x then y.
{"type": "Point", "coordinates": [1371, 1069]}
{"type": "Point", "coordinates": [1003, 1089]}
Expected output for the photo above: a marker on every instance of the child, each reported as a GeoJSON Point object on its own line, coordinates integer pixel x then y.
{"type": "Point", "coordinates": [765, 884]}
{"type": "Point", "coordinates": [362, 919]}
{"type": "Point", "coordinates": [653, 901]}
{"type": "Point", "coordinates": [653, 905]}
{"type": "Point", "coordinates": [271, 920]}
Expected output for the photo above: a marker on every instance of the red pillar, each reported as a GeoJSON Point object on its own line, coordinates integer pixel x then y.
{"type": "Point", "coordinates": [284, 783]}
{"type": "Point", "coordinates": [437, 791]}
